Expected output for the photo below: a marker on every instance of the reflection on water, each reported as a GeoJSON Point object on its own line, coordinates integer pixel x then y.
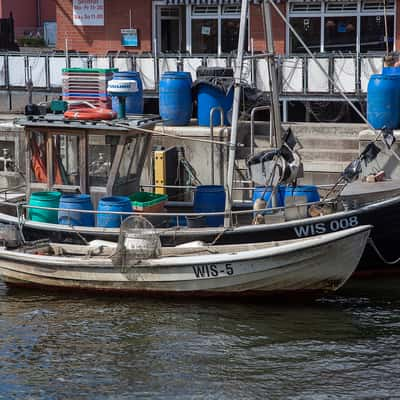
{"type": "Point", "coordinates": [345, 346]}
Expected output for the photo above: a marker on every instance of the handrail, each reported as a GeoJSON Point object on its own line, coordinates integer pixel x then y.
{"type": "Point", "coordinates": [237, 212]}
{"type": "Point", "coordinates": [221, 114]}
{"type": "Point", "coordinates": [253, 111]}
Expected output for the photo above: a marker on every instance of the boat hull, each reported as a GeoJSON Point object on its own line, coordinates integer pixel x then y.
{"type": "Point", "coordinates": [384, 216]}
{"type": "Point", "coordinates": [320, 264]}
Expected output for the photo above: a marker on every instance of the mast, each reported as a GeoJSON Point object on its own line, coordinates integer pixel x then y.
{"type": "Point", "coordinates": [235, 112]}
{"type": "Point", "coordinates": [275, 119]}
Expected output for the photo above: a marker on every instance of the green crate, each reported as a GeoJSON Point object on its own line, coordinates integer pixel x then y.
{"type": "Point", "coordinates": [90, 70]}
{"type": "Point", "coordinates": [144, 200]}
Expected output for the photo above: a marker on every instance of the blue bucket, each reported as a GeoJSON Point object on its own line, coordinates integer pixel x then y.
{"type": "Point", "coordinates": [134, 103]}
{"type": "Point", "coordinates": [280, 195]}
{"type": "Point", "coordinates": [75, 202]}
{"type": "Point", "coordinates": [209, 97]}
{"type": "Point", "coordinates": [383, 101]}
{"type": "Point", "coordinates": [210, 198]}
{"type": "Point", "coordinates": [115, 204]}
{"type": "Point", "coordinates": [175, 98]}
{"type": "Point", "coordinates": [309, 191]}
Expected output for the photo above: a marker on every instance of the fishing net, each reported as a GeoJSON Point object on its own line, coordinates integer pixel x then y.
{"type": "Point", "coordinates": [137, 240]}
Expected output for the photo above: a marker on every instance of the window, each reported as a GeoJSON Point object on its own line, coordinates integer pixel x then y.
{"type": "Point", "coordinates": [373, 36]}
{"type": "Point", "coordinates": [214, 29]}
{"type": "Point", "coordinates": [205, 36]}
{"type": "Point", "coordinates": [340, 34]}
{"type": "Point", "coordinates": [346, 26]}
{"type": "Point", "coordinates": [171, 26]}
{"type": "Point", "coordinates": [309, 30]}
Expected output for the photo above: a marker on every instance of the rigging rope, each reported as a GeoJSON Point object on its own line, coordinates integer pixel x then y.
{"type": "Point", "coordinates": [379, 254]}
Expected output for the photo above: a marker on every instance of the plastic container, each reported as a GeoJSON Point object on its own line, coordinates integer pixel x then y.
{"type": "Point", "coordinates": [209, 97]}
{"type": "Point", "coordinates": [210, 198]}
{"type": "Point", "coordinates": [280, 195]}
{"type": "Point", "coordinates": [76, 202]}
{"type": "Point", "coordinates": [148, 202]}
{"type": "Point", "coordinates": [175, 98]}
{"type": "Point", "coordinates": [391, 71]}
{"type": "Point", "coordinates": [44, 199]}
{"type": "Point", "coordinates": [115, 204]}
{"type": "Point", "coordinates": [383, 101]}
{"type": "Point", "coordinates": [309, 191]}
{"type": "Point", "coordinates": [134, 102]}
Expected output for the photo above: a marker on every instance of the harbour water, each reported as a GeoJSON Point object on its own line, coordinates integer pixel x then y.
{"type": "Point", "coordinates": [65, 346]}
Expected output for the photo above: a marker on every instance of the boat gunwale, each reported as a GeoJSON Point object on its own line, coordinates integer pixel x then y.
{"type": "Point", "coordinates": [271, 251]}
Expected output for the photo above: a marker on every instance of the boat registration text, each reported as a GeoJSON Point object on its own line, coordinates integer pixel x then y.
{"type": "Point", "coordinates": [212, 270]}
{"type": "Point", "coordinates": [326, 227]}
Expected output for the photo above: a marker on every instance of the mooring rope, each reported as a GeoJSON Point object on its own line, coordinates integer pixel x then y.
{"type": "Point", "coordinates": [379, 254]}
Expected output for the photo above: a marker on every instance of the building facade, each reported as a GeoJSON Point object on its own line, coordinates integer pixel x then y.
{"type": "Point", "coordinates": [204, 27]}
{"type": "Point", "coordinates": [31, 17]}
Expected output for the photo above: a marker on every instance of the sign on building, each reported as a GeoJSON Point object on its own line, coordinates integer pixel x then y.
{"type": "Point", "coordinates": [88, 12]}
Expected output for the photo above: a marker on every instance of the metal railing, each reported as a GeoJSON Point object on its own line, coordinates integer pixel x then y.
{"type": "Point", "coordinates": [352, 71]}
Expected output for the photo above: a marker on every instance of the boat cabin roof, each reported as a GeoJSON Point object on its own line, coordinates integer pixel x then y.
{"type": "Point", "coordinates": [57, 121]}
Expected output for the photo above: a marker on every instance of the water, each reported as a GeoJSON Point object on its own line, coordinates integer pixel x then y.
{"type": "Point", "coordinates": [65, 346]}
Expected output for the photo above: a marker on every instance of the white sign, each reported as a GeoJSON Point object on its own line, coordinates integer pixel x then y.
{"type": "Point", "coordinates": [88, 12]}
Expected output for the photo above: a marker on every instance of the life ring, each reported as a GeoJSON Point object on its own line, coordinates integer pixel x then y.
{"type": "Point", "coordinates": [87, 113]}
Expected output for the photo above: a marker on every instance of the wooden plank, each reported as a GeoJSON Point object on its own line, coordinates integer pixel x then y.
{"type": "Point", "coordinates": [115, 165]}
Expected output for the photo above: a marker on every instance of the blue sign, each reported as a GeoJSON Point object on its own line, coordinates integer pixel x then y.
{"type": "Point", "coordinates": [129, 38]}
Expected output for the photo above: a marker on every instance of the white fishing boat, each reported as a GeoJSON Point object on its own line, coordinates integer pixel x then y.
{"type": "Point", "coordinates": [138, 264]}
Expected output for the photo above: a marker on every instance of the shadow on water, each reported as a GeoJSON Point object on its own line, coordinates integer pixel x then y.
{"type": "Point", "coordinates": [344, 346]}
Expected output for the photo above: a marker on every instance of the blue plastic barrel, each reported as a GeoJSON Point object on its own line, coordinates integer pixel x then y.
{"type": "Point", "coordinates": [391, 71]}
{"type": "Point", "coordinates": [280, 195]}
{"type": "Point", "coordinates": [309, 191]}
{"type": "Point", "coordinates": [175, 98]}
{"type": "Point", "coordinates": [76, 202]}
{"type": "Point", "coordinates": [115, 204]}
{"type": "Point", "coordinates": [210, 198]}
{"type": "Point", "coordinates": [209, 97]}
{"type": "Point", "coordinates": [134, 102]}
{"type": "Point", "coordinates": [383, 101]}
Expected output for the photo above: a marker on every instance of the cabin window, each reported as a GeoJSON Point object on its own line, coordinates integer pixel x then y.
{"type": "Point", "coordinates": [101, 154]}
{"type": "Point", "coordinates": [128, 169]}
{"type": "Point", "coordinates": [38, 150]}
{"type": "Point", "coordinates": [66, 160]}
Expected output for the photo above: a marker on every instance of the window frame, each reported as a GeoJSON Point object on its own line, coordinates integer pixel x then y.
{"type": "Point", "coordinates": [323, 13]}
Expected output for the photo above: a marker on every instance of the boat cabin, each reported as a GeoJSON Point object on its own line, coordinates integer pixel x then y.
{"type": "Point", "coordinates": [101, 158]}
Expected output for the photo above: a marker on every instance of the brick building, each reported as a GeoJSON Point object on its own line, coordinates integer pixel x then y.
{"type": "Point", "coordinates": [30, 16]}
{"type": "Point", "coordinates": [198, 27]}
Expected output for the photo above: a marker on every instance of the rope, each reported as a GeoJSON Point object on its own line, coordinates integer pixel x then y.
{"type": "Point", "coordinates": [379, 254]}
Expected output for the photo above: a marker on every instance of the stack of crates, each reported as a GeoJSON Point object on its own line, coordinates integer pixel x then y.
{"type": "Point", "coordinates": [87, 84]}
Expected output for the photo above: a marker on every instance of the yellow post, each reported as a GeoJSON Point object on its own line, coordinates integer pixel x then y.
{"type": "Point", "coordinates": [160, 171]}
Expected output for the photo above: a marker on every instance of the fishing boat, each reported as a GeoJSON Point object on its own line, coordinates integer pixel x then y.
{"type": "Point", "coordinates": [139, 265]}
{"type": "Point", "coordinates": [105, 159]}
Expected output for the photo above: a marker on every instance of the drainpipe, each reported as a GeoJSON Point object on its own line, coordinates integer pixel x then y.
{"type": "Point", "coordinates": [38, 16]}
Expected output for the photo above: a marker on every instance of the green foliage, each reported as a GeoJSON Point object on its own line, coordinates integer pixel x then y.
{"type": "Point", "coordinates": [31, 41]}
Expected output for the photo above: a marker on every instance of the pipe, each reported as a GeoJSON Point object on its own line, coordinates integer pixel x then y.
{"type": "Point", "coordinates": [221, 113]}
{"type": "Point", "coordinates": [235, 113]}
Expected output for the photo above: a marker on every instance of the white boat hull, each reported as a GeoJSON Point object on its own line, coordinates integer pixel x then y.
{"type": "Point", "coordinates": [317, 264]}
